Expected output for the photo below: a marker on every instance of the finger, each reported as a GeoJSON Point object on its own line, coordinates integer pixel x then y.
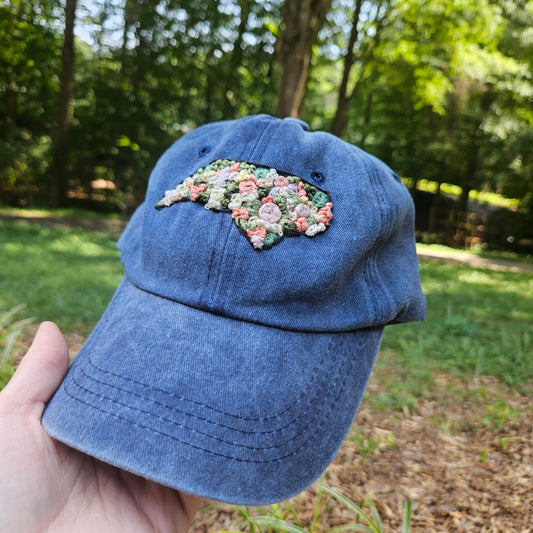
{"type": "Point", "coordinates": [40, 372]}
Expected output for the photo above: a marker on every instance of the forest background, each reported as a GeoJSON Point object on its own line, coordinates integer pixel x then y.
{"type": "Point", "coordinates": [92, 92]}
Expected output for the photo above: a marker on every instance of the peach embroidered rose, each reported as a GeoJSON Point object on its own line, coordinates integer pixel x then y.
{"type": "Point", "coordinates": [247, 187]}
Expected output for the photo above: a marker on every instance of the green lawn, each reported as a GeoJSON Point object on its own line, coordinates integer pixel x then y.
{"type": "Point", "coordinates": [64, 276]}
{"type": "Point", "coordinates": [479, 321]}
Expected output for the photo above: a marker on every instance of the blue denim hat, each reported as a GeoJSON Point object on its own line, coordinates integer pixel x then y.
{"type": "Point", "coordinates": [260, 272]}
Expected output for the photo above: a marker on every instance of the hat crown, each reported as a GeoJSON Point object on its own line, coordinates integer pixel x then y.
{"type": "Point", "coordinates": [360, 272]}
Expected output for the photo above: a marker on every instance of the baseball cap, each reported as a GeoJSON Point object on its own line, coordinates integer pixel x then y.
{"type": "Point", "coordinates": [260, 272]}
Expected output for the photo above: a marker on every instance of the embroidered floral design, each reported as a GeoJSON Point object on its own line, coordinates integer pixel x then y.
{"type": "Point", "coordinates": [264, 204]}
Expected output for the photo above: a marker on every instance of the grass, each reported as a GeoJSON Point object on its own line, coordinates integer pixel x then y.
{"type": "Point", "coordinates": [56, 213]}
{"type": "Point", "coordinates": [10, 329]}
{"type": "Point", "coordinates": [479, 322]}
{"type": "Point", "coordinates": [64, 276]}
{"type": "Point", "coordinates": [286, 516]}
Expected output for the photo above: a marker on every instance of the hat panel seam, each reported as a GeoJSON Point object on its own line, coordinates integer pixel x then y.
{"type": "Point", "coordinates": [224, 255]}
{"type": "Point", "coordinates": [209, 271]}
{"type": "Point", "coordinates": [217, 281]}
{"type": "Point", "coordinates": [375, 282]}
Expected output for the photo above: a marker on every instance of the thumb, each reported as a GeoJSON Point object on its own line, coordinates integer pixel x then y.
{"type": "Point", "coordinates": [40, 372]}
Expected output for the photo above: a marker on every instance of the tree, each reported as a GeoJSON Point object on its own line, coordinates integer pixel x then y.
{"type": "Point", "coordinates": [29, 64]}
{"type": "Point", "coordinates": [301, 20]}
{"type": "Point", "coordinates": [58, 193]}
{"type": "Point", "coordinates": [361, 46]}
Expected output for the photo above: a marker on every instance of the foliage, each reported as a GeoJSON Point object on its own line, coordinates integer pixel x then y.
{"type": "Point", "coordinates": [10, 329]}
{"type": "Point", "coordinates": [285, 516]}
{"type": "Point", "coordinates": [438, 90]}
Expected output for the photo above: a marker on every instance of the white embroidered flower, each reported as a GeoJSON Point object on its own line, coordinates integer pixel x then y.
{"type": "Point", "coordinates": [249, 197]}
{"type": "Point", "coordinates": [268, 226]}
{"type": "Point", "coordinates": [314, 229]}
{"type": "Point", "coordinates": [215, 198]}
{"type": "Point", "coordinates": [236, 201]}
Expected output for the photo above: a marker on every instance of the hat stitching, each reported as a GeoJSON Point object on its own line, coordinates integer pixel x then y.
{"type": "Point", "coordinates": [317, 372]}
{"type": "Point", "coordinates": [219, 278]}
{"type": "Point", "coordinates": [265, 204]}
{"type": "Point", "coordinates": [369, 266]}
{"type": "Point", "coordinates": [381, 295]}
{"type": "Point", "coordinates": [153, 430]}
{"type": "Point", "coordinates": [184, 426]}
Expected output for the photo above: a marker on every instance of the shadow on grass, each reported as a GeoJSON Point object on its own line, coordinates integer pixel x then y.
{"type": "Point", "coordinates": [479, 322]}
{"type": "Point", "coordinates": [64, 276]}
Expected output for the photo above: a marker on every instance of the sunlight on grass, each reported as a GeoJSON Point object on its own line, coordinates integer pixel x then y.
{"type": "Point", "coordinates": [479, 322]}
{"type": "Point", "coordinates": [64, 276]}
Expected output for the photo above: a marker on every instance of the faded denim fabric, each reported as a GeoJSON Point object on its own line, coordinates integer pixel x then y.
{"type": "Point", "coordinates": [232, 373]}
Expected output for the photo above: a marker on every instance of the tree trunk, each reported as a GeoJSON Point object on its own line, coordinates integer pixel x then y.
{"type": "Point", "coordinates": [366, 119]}
{"type": "Point", "coordinates": [58, 193]}
{"type": "Point", "coordinates": [366, 54]}
{"type": "Point", "coordinates": [468, 179]}
{"type": "Point", "coordinates": [434, 223]}
{"type": "Point", "coordinates": [233, 80]}
{"type": "Point", "coordinates": [338, 121]}
{"type": "Point", "coordinates": [303, 20]}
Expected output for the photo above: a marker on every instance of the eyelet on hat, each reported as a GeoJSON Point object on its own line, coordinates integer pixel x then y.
{"type": "Point", "coordinates": [205, 150]}
{"type": "Point", "coordinates": [318, 177]}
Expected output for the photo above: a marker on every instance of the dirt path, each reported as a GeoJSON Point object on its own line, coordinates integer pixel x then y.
{"type": "Point", "coordinates": [475, 261]}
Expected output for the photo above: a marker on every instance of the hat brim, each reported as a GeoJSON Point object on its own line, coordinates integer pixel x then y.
{"type": "Point", "coordinates": [220, 408]}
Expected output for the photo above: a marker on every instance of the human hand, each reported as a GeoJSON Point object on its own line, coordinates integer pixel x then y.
{"type": "Point", "coordinates": [46, 486]}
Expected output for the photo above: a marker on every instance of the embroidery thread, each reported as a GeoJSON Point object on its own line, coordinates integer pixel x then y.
{"type": "Point", "coordinates": [264, 204]}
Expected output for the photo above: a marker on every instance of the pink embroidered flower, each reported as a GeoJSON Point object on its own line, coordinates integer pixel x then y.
{"type": "Point", "coordinates": [302, 210]}
{"type": "Point", "coordinates": [326, 213]}
{"type": "Point", "coordinates": [270, 212]}
{"type": "Point", "coordinates": [257, 237]}
{"type": "Point", "coordinates": [267, 199]}
{"type": "Point", "coordinates": [247, 187]}
{"type": "Point", "coordinates": [301, 224]}
{"type": "Point", "coordinates": [301, 191]}
{"type": "Point", "coordinates": [240, 212]}
{"type": "Point", "coordinates": [281, 181]}
{"type": "Point", "coordinates": [195, 190]}
{"type": "Point", "coordinates": [236, 167]}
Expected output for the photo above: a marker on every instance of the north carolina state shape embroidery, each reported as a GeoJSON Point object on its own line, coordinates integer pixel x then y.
{"type": "Point", "coordinates": [265, 204]}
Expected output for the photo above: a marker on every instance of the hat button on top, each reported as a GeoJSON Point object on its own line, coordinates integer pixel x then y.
{"type": "Point", "coordinates": [302, 123]}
